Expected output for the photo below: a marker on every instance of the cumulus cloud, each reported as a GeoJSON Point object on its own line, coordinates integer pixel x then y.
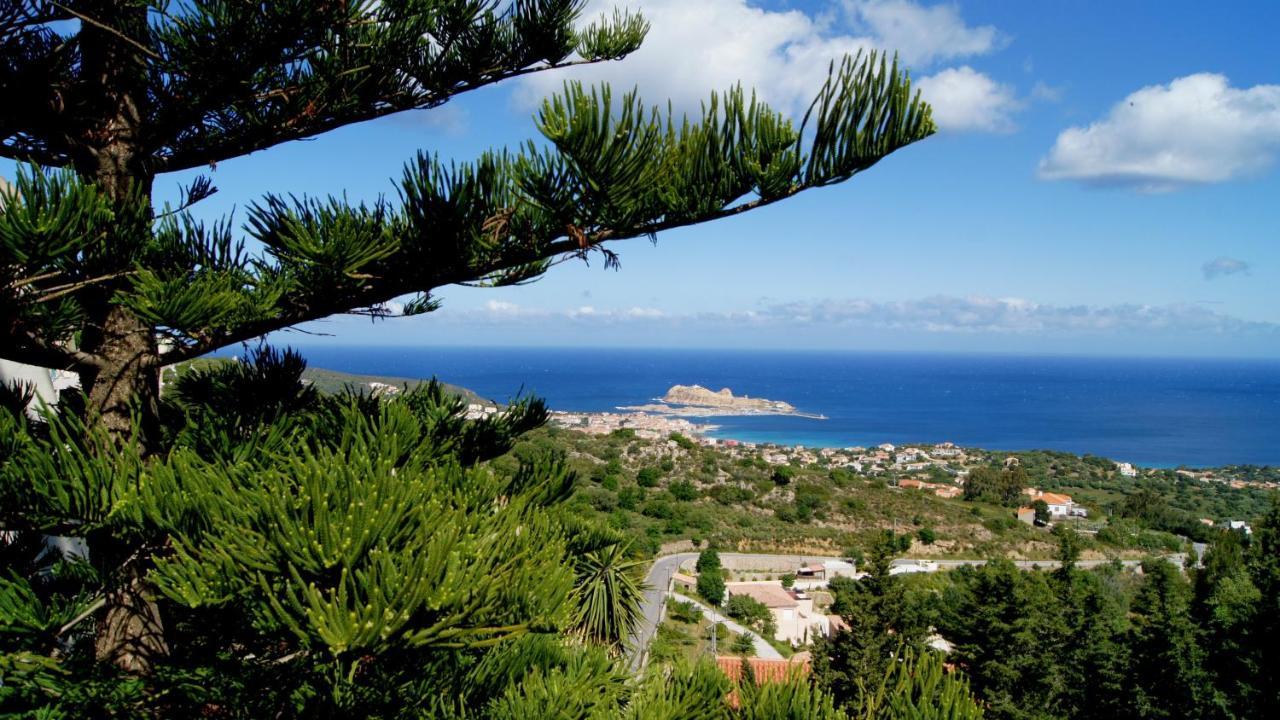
{"type": "Point", "coordinates": [1222, 266]}
{"type": "Point", "coordinates": [1196, 129]}
{"type": "Point", "coordinates": [940, 314]}
{"type": "Point", "coordinates": [923, 34]}
{"type": "Point", "coordinates": [695, 48]}
{"type": "Point", "coordinates": [964, 99]}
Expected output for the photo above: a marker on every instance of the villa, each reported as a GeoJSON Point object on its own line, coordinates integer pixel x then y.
{"type": "Point", "coordinates": [793, 614]}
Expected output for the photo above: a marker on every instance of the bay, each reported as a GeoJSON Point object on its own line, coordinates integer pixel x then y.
{"type": "Point", "coordinates": [1152, 411]}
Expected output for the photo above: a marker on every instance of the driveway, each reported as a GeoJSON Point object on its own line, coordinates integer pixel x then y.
{"type": "Point", "coordinates": [762, 646]}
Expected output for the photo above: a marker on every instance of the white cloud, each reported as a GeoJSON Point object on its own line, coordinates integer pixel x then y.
{"type": "Point", "coordinates": [942, 314]}
{"type": "Point", "coordinates": [1196, 129]}
{"type": "Point", "coordinates": [923, 34]}
{"type": "Point", "coordinates": [945, 314]}
{"type": "Point", "coordinates": [499, 309]}
{"type": "Point", "coordinates": [696, 47]}
{"type": "Point", "coordinates": [1045, 92]}
{"type": "Point", "coordinates": [964, 99]}
{"type": "Point", "coordinates": [1223, 266]}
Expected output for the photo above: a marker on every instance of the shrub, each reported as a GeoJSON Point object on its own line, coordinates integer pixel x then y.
{"type": "Point", "coordinates": [658, 508]}
{"type": "Point", "coordinates": [604, 502]}
{"type": "Point", "coordinates": [926, 535]}
{"type": "Point", "coordinates": [648, 477]}
{"type": "Point", "coordinates": [685, 612]}
{"type": "Point", "coordinates": [629, 497]}
{"type": "Point", "coordinates": [783, 474]}
{"type": "Point", "coordinates": [789, 580]}
{"type": "Point", "coordinates": [682, 441]}
{"type": "Point", "coordinates": [732, 495]}
{"type": "Point", "coordinates": [683, 490]}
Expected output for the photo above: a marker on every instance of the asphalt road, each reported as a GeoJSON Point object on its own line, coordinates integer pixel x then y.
{"type": "Point", "coordinates": [658, 582]}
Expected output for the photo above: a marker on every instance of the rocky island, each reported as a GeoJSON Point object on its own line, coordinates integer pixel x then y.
{"type": "Point", "coordinates": [695, 400]}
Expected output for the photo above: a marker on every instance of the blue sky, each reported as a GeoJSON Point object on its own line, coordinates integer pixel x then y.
{"type": "Point", "coordinates": [1105, 182]}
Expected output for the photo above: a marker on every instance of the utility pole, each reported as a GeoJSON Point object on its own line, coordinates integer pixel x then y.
{"type": "Point", "coordinates": [715, 632]}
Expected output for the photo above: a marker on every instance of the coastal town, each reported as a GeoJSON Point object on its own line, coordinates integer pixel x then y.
{"type": "Point", "coordinates": [938, 468]}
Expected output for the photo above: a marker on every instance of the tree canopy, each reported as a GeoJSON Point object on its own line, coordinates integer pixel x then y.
{"type": "Point", "coordinates": [244, 546]}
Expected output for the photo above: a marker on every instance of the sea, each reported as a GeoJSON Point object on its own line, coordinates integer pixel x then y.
{"type": "Point", "coordinates": [1155, 412]}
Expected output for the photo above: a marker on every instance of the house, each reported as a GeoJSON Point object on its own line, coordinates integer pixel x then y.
{"type": "Point", "coordinates": [887, 447]}
{"type": "Point", "coordinates": [946, 450]}
{"type": "Point", "coordinates": [792, 611]}
{"type": "Point", "coordinates": [812, 571]}
{"type": "Point", "coordinates": [1127, 470]}
{"type": "Point", "coordinates": [1027, 515]}
{"type": "Point", "coordinates": [1012, 462]}
{"type": "Point", "coordinates": [1241, 526]}
{"type": "Point", "coordinates": [1060, 506]}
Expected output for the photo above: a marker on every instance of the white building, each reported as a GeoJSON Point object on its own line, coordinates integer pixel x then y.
{"type": "Point", "coordinates": [1127, 470]}
{"type": "Point", "coordinates": [792, 612]}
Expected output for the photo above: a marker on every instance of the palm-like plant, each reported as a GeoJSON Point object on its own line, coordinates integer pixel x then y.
{"type": "Point", "coordinates": [608, 593]}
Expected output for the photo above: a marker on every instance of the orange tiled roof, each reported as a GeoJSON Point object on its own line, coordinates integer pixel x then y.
{"type": "Point", "coordinates": [1055, 499]}
{"type": "Point", "coordinates": [763, 669]}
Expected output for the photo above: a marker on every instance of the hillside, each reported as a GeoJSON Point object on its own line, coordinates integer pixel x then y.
{"type": "Point", "coordinates": [674, 493]}
{"type": "Point", "coordinates": [334, 381]}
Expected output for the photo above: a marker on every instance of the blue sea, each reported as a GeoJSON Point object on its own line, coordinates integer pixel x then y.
{"type": "Point", "coordinates": [1153, 412]}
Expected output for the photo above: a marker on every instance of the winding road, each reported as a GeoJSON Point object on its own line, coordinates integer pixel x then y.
{"type": "Point", "coordinates": [658, 587]}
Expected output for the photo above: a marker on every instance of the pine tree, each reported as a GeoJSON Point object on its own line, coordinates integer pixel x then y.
{"type": "Point", "coordinates": [1167, 676]}
{"type": "Point", "coordinates": [103, 99]}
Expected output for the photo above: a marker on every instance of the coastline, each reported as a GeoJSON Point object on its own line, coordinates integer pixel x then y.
{"type": "Point", "coordinates": [1159, 413]}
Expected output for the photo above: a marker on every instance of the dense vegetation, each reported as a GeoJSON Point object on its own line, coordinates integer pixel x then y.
{"type": "Point", "coordinates": [1080, 644]}
{"type": "Point", "coordinates": [674, 492]}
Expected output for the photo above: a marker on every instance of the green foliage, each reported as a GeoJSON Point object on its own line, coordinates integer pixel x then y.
{"type": "Point", "coordinates": [708, 560]}
{"type": "Point", "coordinates": [683, 442]}
{"type": "Point", "coordinates": [783, 474]}
{"type": "Point", "coordinates": [685, 612]}
{"type": "Point", "coordinates": [1042, 511]}
{"type": "Point", "coordinates": [743, 645]}
{"type": "Point", "coordinates": [751, 613]}
{"type": "Point", "coordinates": [711, 586]}
{"type": "Point", "coordinates": [1001, 487]}
{"type": "Point", "coordinates": [917, 687]}
{"type": "Point", "coordinates": [683, 490]}
{"type": "Point", "coordinates": [648, 477]}
{"type": "Point", "coordinates": [788, 580]}
{"type": "Point", "coordinates": [926, 535]}
{"type": "Point", "coordinates": [882, 619]}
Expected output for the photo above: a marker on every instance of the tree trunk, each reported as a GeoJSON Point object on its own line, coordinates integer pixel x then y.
{"type": "Point", "coordinates": [131, 635]}
{"type": "Point", "coordinates": [128, 382]}
{"type": "Point", "coordinates": [110, 105]}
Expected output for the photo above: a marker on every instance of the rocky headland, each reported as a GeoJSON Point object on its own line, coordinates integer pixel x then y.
{"type": "Point", "coordinates": [695, 400]}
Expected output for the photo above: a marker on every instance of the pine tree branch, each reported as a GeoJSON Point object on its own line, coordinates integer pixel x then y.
{"type": "Point", "coordinates": [28, 348]}
{"type": "Point", "coordinates": [108, 29]}
{"type": "Point", "coordinates": [269, 136]}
